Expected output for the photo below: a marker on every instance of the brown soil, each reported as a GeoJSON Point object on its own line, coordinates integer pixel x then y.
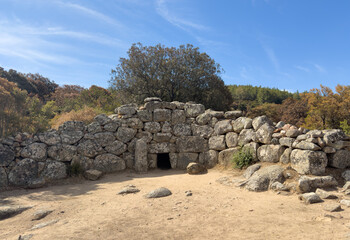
{"type": "Point", "coordinates": [93, 210]}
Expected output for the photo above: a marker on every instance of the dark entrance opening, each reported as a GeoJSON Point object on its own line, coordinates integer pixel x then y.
{"type": "Point", "coordinates": [163, 161]}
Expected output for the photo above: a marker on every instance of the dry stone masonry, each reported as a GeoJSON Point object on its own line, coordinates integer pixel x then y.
{"type": "Point", "coordinates": [142, 138]}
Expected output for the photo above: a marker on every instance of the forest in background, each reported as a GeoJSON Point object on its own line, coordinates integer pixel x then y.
{"type": "Point", "coordinates": [33, 103]}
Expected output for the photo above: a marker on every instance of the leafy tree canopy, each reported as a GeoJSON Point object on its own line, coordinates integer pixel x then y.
{"type": "Point", "coordinates": [182, 74]}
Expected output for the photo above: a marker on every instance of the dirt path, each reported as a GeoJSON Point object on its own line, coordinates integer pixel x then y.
{"type": "Point", "coordinates": [93, 210]}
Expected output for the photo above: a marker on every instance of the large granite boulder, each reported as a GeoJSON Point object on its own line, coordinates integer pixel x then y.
{"type": "Point", "coordinates": [309, 184]}
{"type": "Point", "coordinates": [191, 144]}
{"type": "Point", "coordinates": [163, 147]}
{"type": "Point", "coordinates": [36, 151]}
{"type": "Point", "coordinates": [141, 163]}
{"type": "Point", "coordinates": [259, 121]}
{"type": "Point", "coordinates": [62, 152]}
{"type": "Point", "coordinates": [264, 177]}
{"type": "Point", "coordinates": [193, 110]}
{"type": "Point", "coordinates": [209, 158]}
{"type": "Point", "coordinates": [226, 156]}
{"type": "Point", "coordinates": [116, 147]}
{"type": "Point", "coordinates": [126, 134]}
{"type": "Point", "coordinates": [241, 123]}
{"type": "Point", "coordinates": [264, 133]}
{"type": "Point", "coordinates": [270, 153]}
{"type": "Point", "coordinates": [204, 131]}
{"type": "Point", "coordinates": [182, 129]}
{"type": "Point", "coordinates": [161, 115]}
{"type": "Point", "coordinates": [217, 143]}
{"type": "Point", "coordinates": [109, 163]}
{"type": "Point", "coordinates": [24, 173]}
{"type": "Point", "coordinates": [104, 138]}
{"type": "Point", "coordinates": [309, 162]}
{"type": "Point", "coordinates": [178, 116]}
{"type": "Point", "coordinates": [89, 148]}
{"type": "Point", "coordinates": [339, 159]}
{"type": "Point", "coordinates": [145, 115]}
{"type": "Point", "coordinates": [203, 118]}
{"type": "Point", "coordinates": [7, 155]}
{"type": "Point", "coordinates": [246, 136]}
{"type": "Point", "coordinates": [183, 159]}
{"type": "Point", "coordinates": [3, 178]}
{"type": "Point", "coordinates": [50, 137]}
{"type": "Point", "coordinates": [222, 127]}
{"type": "Point", "coordinates": [231, 139]}
{"type": "Point", "coordinates": [152, 127]}
{"type": "Point", "coordinates": [54, 170]}
{"type": "Point", "coordinates": [196, 168]}
{"type": "Point", "coordinates": [102, 119]}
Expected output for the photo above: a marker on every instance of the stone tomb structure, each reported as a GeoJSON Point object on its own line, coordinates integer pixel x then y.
{"type": "Point", "coordinates": [165, 135]}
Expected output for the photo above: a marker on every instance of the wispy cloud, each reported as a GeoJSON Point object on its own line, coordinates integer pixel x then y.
{"type": "Point", "coordinates": [271, 56]}
{"type": "Point", "coordinates": [319, 68]}
{"type": "Point", "coordinates": [91, 12]}
{"type": "Point", "coordinates": [302, 68]}
{"type": "Point", "coordinates": [184, 24]}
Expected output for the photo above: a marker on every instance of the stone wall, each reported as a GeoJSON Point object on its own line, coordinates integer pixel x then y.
{"type": "Point", "coordinates": [132, 138]}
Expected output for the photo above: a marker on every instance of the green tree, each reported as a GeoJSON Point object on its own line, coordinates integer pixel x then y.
{"type": "Point", "coordinates": [182, 74]}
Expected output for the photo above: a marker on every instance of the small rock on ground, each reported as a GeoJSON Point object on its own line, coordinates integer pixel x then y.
{"type": "Point", "coordinates": [44, 224]}
{"type": "Point", "coordinates": [310, 198]}
{"type": "Point", "coordinates": [325, 195]}
{"type": "Point", "coordinates": [93, 174]}
{"type": "Point", "coordinates": [332, 207]}
{"type": "Point", "coordinates": [196, 168]}
{"type": "Point", "coordinates": [159, 192]}
{"type": "Point", "coordinates": [40, 214]}
{"type": "Point", "coordinates": [129, 189]}
{"type": "Point", "coordinates": [345, 202]}
{"type": "Point", "coordinates": [250, 170]}
{"type": "Point", "coordinates": [25, 237]}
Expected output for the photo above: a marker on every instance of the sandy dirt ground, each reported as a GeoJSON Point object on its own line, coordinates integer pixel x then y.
{"type": "Point", "coordinates": [93, 210]}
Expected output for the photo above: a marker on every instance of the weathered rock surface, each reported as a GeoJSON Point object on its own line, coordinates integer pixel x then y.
{"type": "Point", "coordinates": [109, 163]}
{"type": "Point", "coordinates": [126, 134]}
{"type": "Point", "coordinates": [193, 110]}
{"type": "Point", "coordinates": [332, 207]}
{"type": "Point", "coordinates": [92, 174]}
{"type": "Point", "coordinates": [141, 163]}
{"type": "Point", "coordinates": [128, 190]}
{"type": "Point", "coordinates": [308, 184]}
{"type": "Point", "coordinates": [346, 175]}
{"type": "Point", "coordinates": [89, 148]}
{"type": "Point", "coordinates": [259, 121]}
{"type": "Point", "coordinates": [340, 159]}
{"type": "Point", "coordinates": [246, 136]}
{"type": "Point", "coordinates": [10, 211]}
{"type": "Point", "coordinates": [36, 151]}
{"type": "Point", "coordinates": [196, 168]}
{"type": "Point", "coordinates": [183, 159]}
{"type": "Point", "coordinates": [270, 153]}
{"type": "Point", "coordinates": [159, 192]}
{"type": "Point", "coordinates": [217, 143]}
{"type": "Point", "coordinates": [325, 194]}
{"type": "Point", "coordinates": [44, 224]}
{"type": "Point", "coordinates": [182, 129]}
{"type": "Point", "coordinates": [50, 137]}
{"type": "Point", "coordinates": [25, 172]}
{"type": "Point", "coordinates": [251, 170]}
{"type": "Point", "coordinates": [40, 214]}
{"type": "Point", "coordinates": [223, 127]}
{"type": "Point", "coordinates": [309, 162]}
{"type": "Point", "coordinates": [191, 144]}
{"type": "Point", "coordinates": [226, 156]}
{"type": "Point", "coordinates": [54, 170]}
{"type": "Point", "coordinates": [241, 123]}
{"type": "Point", "coordinates": [285, 157]}
{"type": "Point", "coordinates": [231, 139]}
{"type": "Point", "coordinates": [310, 198]}
{"type": "Point", "coordinates": [7, 155]}
{"type": "Point", "coordinates": [264, 177]}
{"type": "Point", "coordinates": [209, 158]}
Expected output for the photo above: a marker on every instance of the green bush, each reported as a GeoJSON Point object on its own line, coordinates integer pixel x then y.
{"type": "Point", "coordinates": [243, 158]}
{"type": "Point", "coordinates": [75, 169]}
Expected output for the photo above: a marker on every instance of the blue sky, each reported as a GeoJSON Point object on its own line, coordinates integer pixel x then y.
{"type": "Point", "coordinates": [291, 45]}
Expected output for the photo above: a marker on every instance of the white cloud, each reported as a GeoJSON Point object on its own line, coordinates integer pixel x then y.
{"type": "Point", "coordinates": [271, 56]}
{"type": "Point", "coordinates": [319, 68]}
{"type": "Point", "coordinates": [184, 24]}
{"type": "Point", "coordinates": [302, 68]}
{"type": "Point", "coordinates": [91, 12]}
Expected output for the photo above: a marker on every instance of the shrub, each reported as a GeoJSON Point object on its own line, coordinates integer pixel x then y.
{"type": "Point", "coordinates": [74, 169]}
{"type": "Point", "coordinates": [243, 158]}
{"type": "Point", "coordinates": [86, 115]}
